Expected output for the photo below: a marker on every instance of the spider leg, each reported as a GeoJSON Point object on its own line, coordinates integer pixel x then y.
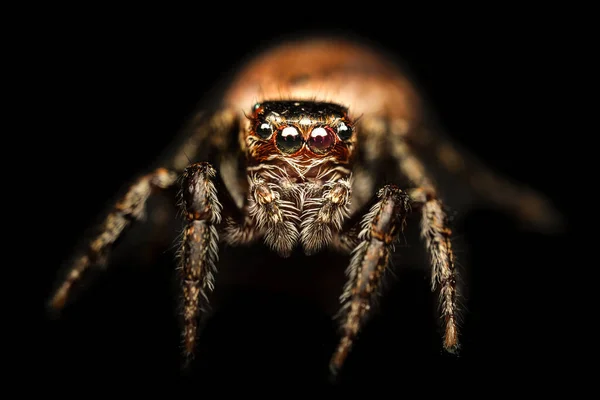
{"type": "Point", "coordinates": [437, 234]}
{"type": "Point", "coordinates": [458, 167]}
{"type": "Point", "coordinates": [437, 237]}
{"type": "Point", "coordinates": [380, 227]}
{"type": "Point", "coordinates": [204, 136]}
{"type": "Point", "coordinates": [324, 215]}
{"type": "Point", "coordinates": [344, 242]}
{"type": "Point", "coordinates": [199, 248]}
{"type": "Point", "coordinates": [346, 239]}
{"type": "Point", "coordinates": [129, 208]}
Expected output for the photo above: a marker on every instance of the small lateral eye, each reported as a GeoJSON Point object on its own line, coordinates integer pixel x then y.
{"type": "Point", "coordinates": [264, 130]}
{"type": "Point", "coordinates": [344, 132]}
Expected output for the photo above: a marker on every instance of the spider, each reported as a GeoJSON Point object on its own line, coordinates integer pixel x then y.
{"type": "Point", "coordinates": [319, 143]}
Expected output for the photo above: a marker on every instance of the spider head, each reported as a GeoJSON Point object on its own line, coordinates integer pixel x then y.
{"type": "Point", "coordinates": [299, 130]}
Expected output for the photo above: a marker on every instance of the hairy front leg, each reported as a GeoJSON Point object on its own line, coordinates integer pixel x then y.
{"type": "Point", "coordinates": [380, 228]}
{"type": "Point", "coordinates": [131, 207]}
{"type": "Point", "coordinates": [199, 247]}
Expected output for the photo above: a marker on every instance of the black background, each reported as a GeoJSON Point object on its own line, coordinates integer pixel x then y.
{"type": "Point", "coordinates": [119, 87]}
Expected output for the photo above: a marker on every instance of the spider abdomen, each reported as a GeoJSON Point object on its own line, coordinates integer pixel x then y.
{"type": "Point", "coordinates": [332, 70]}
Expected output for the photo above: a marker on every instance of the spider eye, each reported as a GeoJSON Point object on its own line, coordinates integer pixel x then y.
{"type": "Point", "coordinates": [320, 140]}
{"type": "Point", "coordinates": [344, 132]}
{"type": "Point", "coordinates": [264, 130]}
{"type": "Point", "coordinates": [289, 140]}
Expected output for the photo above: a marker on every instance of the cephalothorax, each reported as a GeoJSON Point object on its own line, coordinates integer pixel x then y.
{"type": "Point", "coordinates": [321, 143]}
{"type": "Point", "coordinates": [299, 173]}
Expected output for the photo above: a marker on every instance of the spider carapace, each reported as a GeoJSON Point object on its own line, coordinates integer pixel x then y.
{"type": "Point", "coordinates": [301, 145]}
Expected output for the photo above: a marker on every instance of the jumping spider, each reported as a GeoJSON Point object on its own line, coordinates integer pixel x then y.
{"type": "Point", "coordinates": [300, 142]}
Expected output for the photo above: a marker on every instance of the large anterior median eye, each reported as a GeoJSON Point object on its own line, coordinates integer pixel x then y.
{"type": "Point", "coordinates": [289, 140]}
{"type": "Point", "coordinates": [320, 140]}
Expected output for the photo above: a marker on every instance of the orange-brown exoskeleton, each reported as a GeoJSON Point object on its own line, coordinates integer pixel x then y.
{"type": "Point", "coordinates": [315, 144]}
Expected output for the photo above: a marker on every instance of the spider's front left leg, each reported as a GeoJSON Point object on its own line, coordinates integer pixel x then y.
{"type": "Point", "coordinates": [129, 208]}
{"type": "Point", "coordinates": [199, 247]}
{"type": "Point", "coordinates": [380, 228]}
{"type": "Point", "coordinates": [206, 136]}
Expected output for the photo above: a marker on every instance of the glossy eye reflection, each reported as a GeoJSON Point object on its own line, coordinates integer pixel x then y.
{"type": "Point", "coordinates": [344, 131]}
{"type": "Point", "coordinates": [320, 140]}
{"type": "Point", "coordinates": [289, 140]}
{"type": "Point", "coordinates": [264, 130]}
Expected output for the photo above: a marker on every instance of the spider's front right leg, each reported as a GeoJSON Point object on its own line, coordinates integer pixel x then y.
{"type": "Point", "coordinates": [130, 208]}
